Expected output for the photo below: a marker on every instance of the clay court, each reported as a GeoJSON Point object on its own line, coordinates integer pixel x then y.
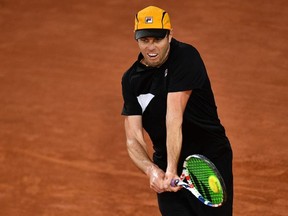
{"type": "Point", "coordinates": [62, 144]}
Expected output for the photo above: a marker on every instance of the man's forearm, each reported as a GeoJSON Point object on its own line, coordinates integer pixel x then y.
{"type": "Point", "coordinates": [176, 103]}
{"type": "Point", "coordinates": [139, 155]}
{"type": "Point", "coordinates": [174, 145]}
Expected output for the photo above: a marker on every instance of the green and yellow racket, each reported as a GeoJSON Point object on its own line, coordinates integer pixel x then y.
{"type": "Point", "coordinates": [203, 180]}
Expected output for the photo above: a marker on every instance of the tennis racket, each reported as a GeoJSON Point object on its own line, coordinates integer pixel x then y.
{"type": "Point", "coordinates": [203, 180]}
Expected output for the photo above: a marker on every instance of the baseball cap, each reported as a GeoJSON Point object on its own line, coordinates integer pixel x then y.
{"type": "Point", "coordinates": [152, 22]}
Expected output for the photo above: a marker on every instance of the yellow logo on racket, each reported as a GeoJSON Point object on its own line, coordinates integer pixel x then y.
{"type": "Point", "coordinates": [214, 184]}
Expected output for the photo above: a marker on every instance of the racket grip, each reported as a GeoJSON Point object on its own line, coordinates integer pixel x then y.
{"type": "Point", "coordinates": [174, 182]}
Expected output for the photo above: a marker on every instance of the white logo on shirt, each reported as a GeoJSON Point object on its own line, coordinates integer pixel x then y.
{"type": "Point", "coordinates": [144, 100]}
{"type": "Point", "coordinates": [166, 72]}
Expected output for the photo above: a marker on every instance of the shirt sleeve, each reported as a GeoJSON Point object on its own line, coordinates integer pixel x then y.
{"type": "Point", "coordinates": [131, 105]}
{"type": "Point", "coordinates": [188, 73]}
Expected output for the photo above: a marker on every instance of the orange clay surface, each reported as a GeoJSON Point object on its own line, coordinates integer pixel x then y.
{"type": "Point", "coordinates": [62, 143]}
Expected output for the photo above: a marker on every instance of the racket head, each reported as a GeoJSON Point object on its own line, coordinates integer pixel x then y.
{"type": "Point", "coordinates": [201, 174]}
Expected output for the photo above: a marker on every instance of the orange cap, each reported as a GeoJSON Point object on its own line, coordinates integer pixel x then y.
{"type": "Point", "coordinates": [151, 18]}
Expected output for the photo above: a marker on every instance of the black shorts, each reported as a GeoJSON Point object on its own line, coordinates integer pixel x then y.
{"type": "Point", "coordinates": [183, 203]}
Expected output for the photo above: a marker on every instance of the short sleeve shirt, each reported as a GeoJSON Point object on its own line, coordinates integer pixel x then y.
{"type": "Point", "coordinates": [145, 90]}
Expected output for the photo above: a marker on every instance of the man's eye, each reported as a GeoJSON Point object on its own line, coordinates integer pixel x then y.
{"type": "Point", "coordinates": [144, 40]}
{"type": "Point", "coordinates": [158, 39]}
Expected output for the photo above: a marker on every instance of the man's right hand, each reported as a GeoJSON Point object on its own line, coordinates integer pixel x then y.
{"type": "Point", "coordinates": [156, 176]}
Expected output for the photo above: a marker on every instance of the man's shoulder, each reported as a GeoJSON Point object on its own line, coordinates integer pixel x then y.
{"type": "Point", "coordinates": [130, 70]}
{"type": "Point", "coordinates": [135, 71]}
{"type": "Point", "coordinates": [180, 46]}
{"type": "Point", "coordinates": [180, 49]}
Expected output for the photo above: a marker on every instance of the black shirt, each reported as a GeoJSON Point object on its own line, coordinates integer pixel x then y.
{"type": "Point", "coordinates": [145, 92]}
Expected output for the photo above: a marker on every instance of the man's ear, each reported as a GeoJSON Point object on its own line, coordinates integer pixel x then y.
{"type": "Point", "coordinates": [170, 35]}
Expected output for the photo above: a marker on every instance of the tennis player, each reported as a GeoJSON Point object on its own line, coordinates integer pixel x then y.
{"type": "Point", "coordinates": [167, 93]}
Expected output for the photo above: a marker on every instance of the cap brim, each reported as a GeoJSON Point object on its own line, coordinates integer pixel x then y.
{"type": "Point", "coordinates": [157, 33]}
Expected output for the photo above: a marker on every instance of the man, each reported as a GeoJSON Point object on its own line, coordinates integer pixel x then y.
{"type": "Point", "coordinates": [167, 93]}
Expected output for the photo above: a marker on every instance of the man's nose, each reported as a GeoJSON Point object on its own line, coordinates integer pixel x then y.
{"type": "Point", "coordinates": [151, 46]}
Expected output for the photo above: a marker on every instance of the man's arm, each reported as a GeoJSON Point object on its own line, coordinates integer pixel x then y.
{"type": "Point", "coordinates": [176, 104]}
{"type": "Point", "coordinates": [137, 150]}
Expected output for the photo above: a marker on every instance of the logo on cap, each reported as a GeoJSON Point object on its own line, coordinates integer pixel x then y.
{"type": "Point", "coordinates": [148, 20]}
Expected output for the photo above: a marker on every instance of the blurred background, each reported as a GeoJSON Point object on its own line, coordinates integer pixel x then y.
{"type": "Point", "coordinates": [62, 143]}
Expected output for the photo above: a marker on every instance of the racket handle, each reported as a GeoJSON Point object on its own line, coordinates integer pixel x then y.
{"type": "Point", "coordinates": [174, 182]}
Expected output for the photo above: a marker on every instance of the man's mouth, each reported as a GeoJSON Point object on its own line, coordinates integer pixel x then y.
{"type": "Point", "coordinates": [152, 55]}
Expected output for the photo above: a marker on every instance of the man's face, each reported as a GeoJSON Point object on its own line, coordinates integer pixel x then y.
{"type": "Point", "coordinates": [154, 50]}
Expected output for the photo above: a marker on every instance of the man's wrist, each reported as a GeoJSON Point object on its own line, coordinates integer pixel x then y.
{"type": "Point", "coordinates": [171, 169]}
{"type": "Point", "coordinates": [150, 169]}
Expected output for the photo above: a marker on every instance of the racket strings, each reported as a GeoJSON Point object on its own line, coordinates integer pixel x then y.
{"type": "Point", "coordinates": [199, 173]}
{"type": "Point", "coordinates": [202, 188]}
